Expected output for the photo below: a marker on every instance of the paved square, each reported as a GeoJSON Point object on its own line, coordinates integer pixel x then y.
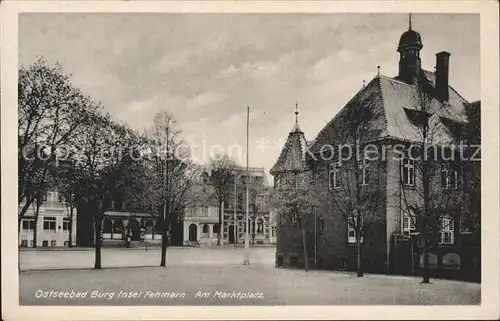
{"type": "Point", "coordinates": [216, 277]}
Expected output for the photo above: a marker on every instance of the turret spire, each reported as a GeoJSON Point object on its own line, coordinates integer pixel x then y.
{"type": "Point", "coordinates": [296, 113]}
{"type": "Point", "coordinates": [296, 128]}
{"type": "Point", "coordinates": [409, 21]}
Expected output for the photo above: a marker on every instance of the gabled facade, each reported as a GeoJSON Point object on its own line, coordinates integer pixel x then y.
{"type": "Point", "coordinates": [393, 122]}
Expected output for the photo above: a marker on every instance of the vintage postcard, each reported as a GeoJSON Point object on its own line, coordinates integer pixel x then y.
{"type": "Point", "coordinates": [257, 160]}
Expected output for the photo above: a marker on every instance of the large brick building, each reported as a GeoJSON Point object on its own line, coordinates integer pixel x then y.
{"type": "Point", "coordinates": [391, 119]}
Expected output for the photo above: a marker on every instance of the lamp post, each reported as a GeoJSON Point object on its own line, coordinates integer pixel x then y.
{"type": "Point", "coordinates": [247, 225]}
{"type": "Point", "coordinates": [234, 211]}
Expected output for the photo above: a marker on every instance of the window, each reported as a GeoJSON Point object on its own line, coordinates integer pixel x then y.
{"type": "Point", "coordinates": [216, 228]}
{"type": "Point", "coordinates": [66, 243]}
{"type": "Point", "coordinates": [351, 233]}
{"type": "Point", "coordinates": [447, 232]}
{"type": "Point", "coordinates": [408, 171]}
{"type": "Point", "coordinates": [343, 263]}
{"type": "Point", "coordinates": [334, 176]}
{"type": "Point", "coordinates": [28, 223]}
{"type": "Point", "coordinates": [45, 243]}
{"type": "Point", "coordinates": [408, 224]}
{"type": "Point", "coordinates": [32, 243]}
{"type": "Point", "coordinates": [50, 197]}
{"type": "Point", "coordinates": [24, 243]}
{"type": "Point", "coordinates": [450, 178]}
{"type": "Point", "coordinates": [205, 228]}
{"type": "Point", "coordinates": [66, 224]}
{"type": "Point", "coordinates": [273, 231]}
{"type": "Point", "coordinates": [260, 226]}
{"type": "Point", "coordinates": [362, 166]}
{"type": "Point", "coordinates": [60, 197]}
{"type": "Point", "coordinates": [240, 201]}
{"type": "Point", "coordinates": [49, 223]}
{"type": "Point", "coordinates": [260, 202]}
{"type": "Point", "coordinates": [53, 243]}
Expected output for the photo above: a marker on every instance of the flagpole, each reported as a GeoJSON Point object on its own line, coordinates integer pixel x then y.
{"type": "Point", "coordinates": [247, 225]}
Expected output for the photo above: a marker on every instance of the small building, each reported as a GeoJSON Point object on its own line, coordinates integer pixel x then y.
{"type": "Point", "coordinates": [52, 226]}
{"type": "Point", "coordinates": [200, 224]}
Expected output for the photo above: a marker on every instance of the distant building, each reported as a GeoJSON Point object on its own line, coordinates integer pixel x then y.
{"type": "Point", "coordinates": [261, 219]}
{"type": "Point", "coordinates": [200, 224]}
{"type": "Point", "coordinates": [53, 226]}
{"type": "Point", "coordinates": [391, 245]}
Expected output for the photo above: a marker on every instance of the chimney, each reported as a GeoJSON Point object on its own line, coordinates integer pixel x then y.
{"type": "Point", "coordinates": [442, 75]}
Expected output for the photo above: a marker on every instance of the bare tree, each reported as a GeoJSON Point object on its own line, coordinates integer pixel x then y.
{"type": "Point", "coordinates": [170, 175]}
{"type": "Point", "coordinates": [51, 112]}
{"type": "Point", "coordinates": [99, 168]}
{"type": "Point", "coordinates": [431, 177]}
{"type": "Point", "coordinates": [221, 169]}
{"type": "Point", "coordinates": [355, 169]}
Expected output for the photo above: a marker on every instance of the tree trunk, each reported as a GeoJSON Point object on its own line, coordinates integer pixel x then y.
{"type": "Point", "coordinates": [37, 210]}
{"type": "Point", "coordinates": [163, 261]}
{"type": "Point", "coordinates": [219, 236]}
{"type": "Point", "coordinates": [425, 269]}
{"type": "Point", "coordinates": [306, 261]}
{"type": "Point", "coordinates": [426, 181]}
{"type": "Point", "coordinates": [24, 209]}
{"type": "Point", "coordinates": [358, 254]}
{"type": "Point", "coordinates": [97, 242]}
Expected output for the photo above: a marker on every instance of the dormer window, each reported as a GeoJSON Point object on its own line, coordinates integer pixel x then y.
{"type": "Point", "coordinates": [417, 117]}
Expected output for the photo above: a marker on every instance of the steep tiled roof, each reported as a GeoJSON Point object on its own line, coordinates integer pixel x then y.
{"type": "Point", "coordinates": [292, 156]}
{"type": "Point", "coordinates": [391, 101]}
{"type": "Point", "coordinates": [399, 95]}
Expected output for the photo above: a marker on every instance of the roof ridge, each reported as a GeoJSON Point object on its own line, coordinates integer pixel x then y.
{"type": "Point", "coordinates": [384, 107]}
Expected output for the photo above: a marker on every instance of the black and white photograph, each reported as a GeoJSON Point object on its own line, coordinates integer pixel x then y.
{"type": "Point", "coordinates": [250, 159]}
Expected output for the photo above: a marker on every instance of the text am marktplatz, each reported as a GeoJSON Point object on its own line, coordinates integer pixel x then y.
{"type": "Point", "coordinates": [229, 295]}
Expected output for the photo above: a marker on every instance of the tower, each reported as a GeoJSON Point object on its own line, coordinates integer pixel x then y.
{"type": "Point", "coordinates": [291, 161]}
{"type": "Point", "coordinates": [409, 48]}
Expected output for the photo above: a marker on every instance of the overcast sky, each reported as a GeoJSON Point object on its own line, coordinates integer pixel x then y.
{"type": "Point", "coordinates": [205, 68]}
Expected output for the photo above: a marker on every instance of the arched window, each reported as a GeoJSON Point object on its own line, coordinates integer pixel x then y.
{"type": "Point", "coordinates": [205, 228]}
{"type": "Point", "coordinates": [260, 226]}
